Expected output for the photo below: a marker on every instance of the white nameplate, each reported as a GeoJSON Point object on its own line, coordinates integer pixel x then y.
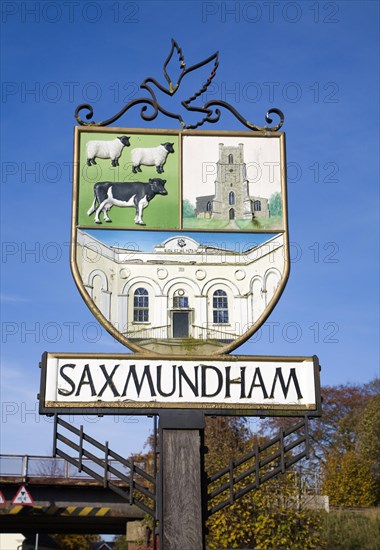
{"type": "Point", "coordinates": [138, 382]}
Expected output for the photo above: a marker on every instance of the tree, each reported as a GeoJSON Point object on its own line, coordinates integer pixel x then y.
{"type": "Point", "coordinates": [348, 480]}
{"type": "Point", "coordinates": [369, 437]}
{"type": "Point", "coordinates": [225, 439]}
{"type": "Point", "coordinates": [342, 410]}
{"type": "Point", "coordinates": [120, 543]}
{"type": "Point", "coordinates": [76, 542]}
{"type": "Point", "coordinates": [346, 443]}
{"type": "Point", "coordinates": [349, 438]}
{"type": "Point", "coordinates": [265, 518]}
{"type": "Point", "coordinates": [268, 517]}
{"type": "Point", "coordinates": [188, 209]}
{"type": "Point", "coordinates": [275, 204]}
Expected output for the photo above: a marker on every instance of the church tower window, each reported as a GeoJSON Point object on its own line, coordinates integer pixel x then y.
{"type": "Point", "coordinates": [230, 158]}
{"type": "Point", "coordinates": [231, 198]}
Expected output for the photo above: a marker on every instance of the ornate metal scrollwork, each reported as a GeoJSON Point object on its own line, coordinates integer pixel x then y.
{"type": "Point", "coordinates": [209, 111]}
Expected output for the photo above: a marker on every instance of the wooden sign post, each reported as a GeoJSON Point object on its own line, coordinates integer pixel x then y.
{"type": "Point", "coordinates": [182, 490]}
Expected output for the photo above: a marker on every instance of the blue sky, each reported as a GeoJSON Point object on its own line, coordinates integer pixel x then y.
{"type": "Point", "coordinates": [147, 240]}
{"type": "Point", "coordinates": [316, 61]}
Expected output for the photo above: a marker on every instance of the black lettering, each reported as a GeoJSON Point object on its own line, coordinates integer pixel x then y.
{"type": "Point", "coordinates": [285, 388]}
{"type": "Point", "coordinates": [194, 387]}
{"type": "Point", "coordinates": [259, 385]}
{"type": "Point", "coordinates": [86, 379]}
{"type": "Point", "coordinates": [228, 382]}
{"type": "Point", "coordinates": [242, 382]}
{"type": "Point", "coordinates": [204, 385]}
{"type": "Point", "coordinates": [109, 381]}
{"type": "Point", "coordinates": [159, 377]}
{"type": "Point", "coordinates": [139, 384]}
{"type": "Point", "coordinates": [67, 379]}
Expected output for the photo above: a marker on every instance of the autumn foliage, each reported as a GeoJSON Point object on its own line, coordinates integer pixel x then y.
{"type": "Point", "coordinates": [345, 451]}
{"type": "Point", "coordinates": [268, 517]}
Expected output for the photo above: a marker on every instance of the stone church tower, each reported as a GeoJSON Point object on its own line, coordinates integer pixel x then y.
{"type": "Point", "coordinates": [231, 199]}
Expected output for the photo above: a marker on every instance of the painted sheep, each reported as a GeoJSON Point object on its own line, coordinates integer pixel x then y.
{"type": "Point", "coordinates": [106, 150]}
{"type": "Point", "coordinates": [151, 156]}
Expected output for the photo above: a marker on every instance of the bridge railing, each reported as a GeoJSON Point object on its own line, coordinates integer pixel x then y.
{"type": "Point", "coordinates": [26, 466]}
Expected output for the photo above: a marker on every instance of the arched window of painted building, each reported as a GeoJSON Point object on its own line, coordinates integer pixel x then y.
{"type": "Point", "coordinates": [208, 206]}
{"type": "Point", "coordinates": [220, 307]}
{"type": "Point", "coordinates": [231, 198]}
{"type": "Point", "coordinates": [230, 158]}
{"type": "Point", "coordinates": [257, 206]}
{"type": "Point", "coordinates": [180, 300]}
{"type": "Point", "coordinates": [141, 305]}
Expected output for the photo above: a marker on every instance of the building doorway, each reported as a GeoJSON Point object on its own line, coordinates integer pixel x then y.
{"type": "Point", "coordinates": [181, 324]}
{"type": "Point", "coordinates": [231, 214]}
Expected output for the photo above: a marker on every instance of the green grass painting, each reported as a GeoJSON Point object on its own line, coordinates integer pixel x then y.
{"type": "Point", "coordinates": [163, 211]}
{"type": "Point", "coordinates": [201, 223]}
{"type": "Point", "coordinates": [273, 223]}
{"type": "Point", "coordinates": [257, 224]}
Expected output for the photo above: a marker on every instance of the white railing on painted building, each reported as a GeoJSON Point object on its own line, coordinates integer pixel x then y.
{"type": "Point", "coordinates": [200, 333]}
{"type": "Point", "coordinates": [159, 333]}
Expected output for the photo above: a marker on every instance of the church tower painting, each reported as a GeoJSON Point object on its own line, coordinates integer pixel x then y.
{"type": "Point", "coordinates": [231, 199]}
{"type": "Point", "coordinates": [231, 186]}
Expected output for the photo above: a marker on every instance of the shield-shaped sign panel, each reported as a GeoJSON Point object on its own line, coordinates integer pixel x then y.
{"type": "Point", "coordinates": [180, 241]}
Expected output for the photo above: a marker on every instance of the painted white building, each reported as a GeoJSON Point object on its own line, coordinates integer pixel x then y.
{"type": "Point", "coordinates": [182, 289]}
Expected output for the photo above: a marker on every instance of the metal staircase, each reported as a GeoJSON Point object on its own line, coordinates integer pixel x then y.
{"type": "Point", "coordinates": [258, 466]}
{"type": "Point", "coordinates": [226, 486]}
{"type": "Point", "coordinates": [119, 474]}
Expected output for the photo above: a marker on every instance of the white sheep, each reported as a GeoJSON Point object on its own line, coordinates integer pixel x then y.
{"type": "Point", "coordinates": [106, 150]}
{"type": "Point", "coordinates": [151, 156]}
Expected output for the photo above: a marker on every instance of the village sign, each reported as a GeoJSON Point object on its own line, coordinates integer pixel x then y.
{"type": "Point", "coordinates": [180, 248]}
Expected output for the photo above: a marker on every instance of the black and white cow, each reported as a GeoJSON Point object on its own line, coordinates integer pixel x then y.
{"type": "Point", "coordinates": [137, 194]}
